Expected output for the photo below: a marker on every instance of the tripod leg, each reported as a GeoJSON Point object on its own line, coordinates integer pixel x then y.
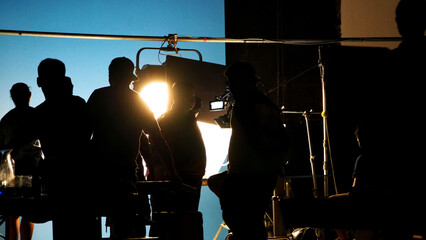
{"type": "Point", "coordinates": [311, 157]}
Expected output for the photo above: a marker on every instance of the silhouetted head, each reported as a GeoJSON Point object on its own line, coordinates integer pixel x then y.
{"type": "Point", "coordinates": [51, 68]}
{"type": "Point", "coordinates": [52, 79]}
{"type": "Point", "coordinates": [20, 94]}
{"type": "Point", "coordinates": [411, 18]}
{"type": "Point", "coordinates": [241, 78]}
{"type": "Point", "coordinates": [121, 72]}
{"type": "Point", "coordinates": [183, 95]}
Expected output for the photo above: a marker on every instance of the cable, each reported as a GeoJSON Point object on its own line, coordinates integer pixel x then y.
{"type": "Point", "coordinates": [292, 78]}
{"type": "Point", "coordinates": [331, 158]}
{"type": "Point", "coordinates": [159, 51]}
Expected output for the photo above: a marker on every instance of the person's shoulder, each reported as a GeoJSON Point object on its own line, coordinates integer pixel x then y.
{"type": "Point", "coordinates": [97, 93]}
{"type": "Point", "coordinates": [101, 90]}
{"type": "Point", "coordinates": [41, 106]}
{"type": "Point", "coordinates": [7, 116]}
{"type": "Point", "coordinates": [10, 112]}
{"type": "Point", "coordinates": [77, 99]}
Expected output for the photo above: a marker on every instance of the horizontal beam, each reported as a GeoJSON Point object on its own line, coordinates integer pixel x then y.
{"type": "Point", "coordinates": [198, 39]}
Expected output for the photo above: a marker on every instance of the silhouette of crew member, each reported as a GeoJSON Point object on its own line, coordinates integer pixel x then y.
{"type": "Point", "coordinates": [17, 127]}
{"type": "Point", "coordinates": [256, 151]}
{"type": "Point", "coordinates": [63, 126]}
{"type": "Point", "coordinates": [63, 130]}
{"type": "Point", "coordinates": [406, 96]}
{"type": "Point", "coordinates": [119, 117]}
{"type": "Point", "coordinates": [180, 129]}
{"type": "Point", "coordinates": [409, 58]}
{"type": "Point", "coordinates": [17, 133]}
{"type": "Point", "coordinates": [371, 178]}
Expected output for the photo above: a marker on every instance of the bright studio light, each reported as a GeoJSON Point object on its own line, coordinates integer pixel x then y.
{"type": "Point", "coordinates": [156, 95]}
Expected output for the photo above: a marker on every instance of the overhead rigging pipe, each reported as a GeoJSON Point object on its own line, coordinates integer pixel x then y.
{"type": "Point", "coordinates": [197, 39]}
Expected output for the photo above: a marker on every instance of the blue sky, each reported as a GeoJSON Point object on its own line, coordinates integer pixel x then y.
{"type": "Point", "coordinates": [87, 60]}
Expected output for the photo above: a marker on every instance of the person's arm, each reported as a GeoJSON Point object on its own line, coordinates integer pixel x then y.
{"type": "Point", "coordinates": [2, 141]}
{"type": "Point", "coordinates": [91, 111]}
{"type": "Point", "coordinates": [2, 135]}
{"type": "Point", "coordinates": [160, 149]}
{"type": "Point", "coordinates": [145, 154]}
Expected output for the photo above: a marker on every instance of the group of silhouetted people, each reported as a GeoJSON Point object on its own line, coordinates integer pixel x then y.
{"type": "Point", "coordinates": [93, 150]}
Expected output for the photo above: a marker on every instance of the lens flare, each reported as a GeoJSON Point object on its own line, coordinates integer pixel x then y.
{"type": "Point", "coordinates": [156, 95]}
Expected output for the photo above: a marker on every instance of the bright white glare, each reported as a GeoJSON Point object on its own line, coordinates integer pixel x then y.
{"type": "Point", "coordinates": [156, 96]}
{"type": "Point", "coordinates": [216, 141]}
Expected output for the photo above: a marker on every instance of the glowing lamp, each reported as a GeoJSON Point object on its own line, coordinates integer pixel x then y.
{"type": "Point", "coordinates": [153, 88]}
{"type": "Point", "coordinates": [156, 95]}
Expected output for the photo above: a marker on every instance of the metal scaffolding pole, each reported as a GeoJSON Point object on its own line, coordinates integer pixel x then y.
{"type": "Point", "coordinates": [197, 39]}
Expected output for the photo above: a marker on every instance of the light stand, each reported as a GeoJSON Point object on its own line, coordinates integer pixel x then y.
{"type": "Point", "coordinates": [277, 217]}
{"type": "Point", "coordinates": [307, 115]}
{"type": "Point", "coordinates": [324, 116]}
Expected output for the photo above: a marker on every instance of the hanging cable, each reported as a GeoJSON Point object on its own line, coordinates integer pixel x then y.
{"type": "Point", "coordinates": [331, 159]}
{"type": "Point", "coordinates": [292, 78]}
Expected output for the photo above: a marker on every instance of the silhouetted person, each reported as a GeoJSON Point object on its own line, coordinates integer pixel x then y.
{"type": "Point", "coordinates": [371, 176]}
{"type": "Point", "coordinates": [63, 130]}
{"type": "Point", "coordinates": [256, 151]}
{"type": "Point", "coordinates": [119, 115]}
{"type": "Point", "coordinates": [17, 127]}
{"type": "Point", "coordinates": [408, 60]}
{"type": "Point", "coordinates": [391, 166]}
{"type": "Point", "coordinates": [180, 130]}
{"type": "Point", "coordinates": [63, 127]}
{"type": "Point", "coordinates": [17, 132]}
{"type": "Point", "coordinates": [406, 96]}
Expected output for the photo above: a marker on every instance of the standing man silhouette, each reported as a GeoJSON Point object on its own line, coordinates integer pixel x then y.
{"type": "Point", "coordinates": [63, 129]}
{"type": "Point", "coordinates": [119, 117]}
{"type": "Point", "coordinates": [256, 156]}
{"type": "Point", "coordinates": [180, 129]}
{"type": "Point", "coordinates": [407, 73]}
{"type": "Point", "coordinates": [17, 132]}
